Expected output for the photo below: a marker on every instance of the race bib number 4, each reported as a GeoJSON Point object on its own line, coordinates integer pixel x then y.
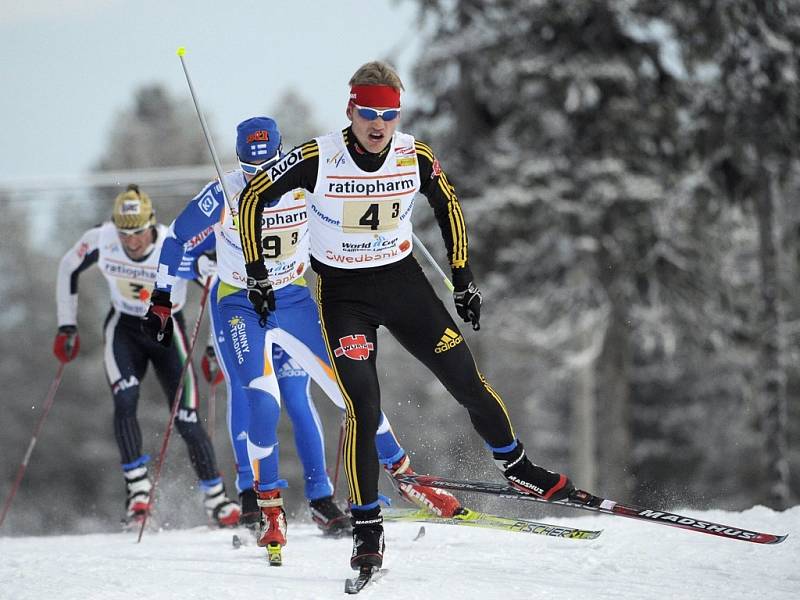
{"type": "Point", "coordinates": [359, 216]}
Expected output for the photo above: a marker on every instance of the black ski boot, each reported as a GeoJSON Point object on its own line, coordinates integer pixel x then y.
{"type": "Point", "coordinates": [137, 486]}
{"type": "Point", "coordinates": [329, 517]}
{"type": "Point", "coordinates": [530, 478]}
{"type": "Point", "coordinates": [251, 513]}
{"type": "Point", "coordinates": [368, 543]}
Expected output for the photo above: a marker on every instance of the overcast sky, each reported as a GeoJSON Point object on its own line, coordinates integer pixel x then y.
{"type": "Point", "coordinates": [67, 67]}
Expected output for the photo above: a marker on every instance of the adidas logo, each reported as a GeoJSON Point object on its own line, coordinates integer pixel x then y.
{"type": "Point", "coordinates": [290, 369]}
{"type": "Point", "coordinates": [450, 339]}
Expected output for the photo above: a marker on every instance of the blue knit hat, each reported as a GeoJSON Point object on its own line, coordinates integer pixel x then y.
{"type": "Point", "coordinates": [257, 139]}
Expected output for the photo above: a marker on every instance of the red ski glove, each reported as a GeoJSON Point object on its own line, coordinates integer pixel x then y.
{"type": "Point", "coordinates": [67, 343]}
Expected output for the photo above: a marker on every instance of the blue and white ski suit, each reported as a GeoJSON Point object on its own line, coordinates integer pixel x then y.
{"type": "Point", "coordinates": [292, 336]}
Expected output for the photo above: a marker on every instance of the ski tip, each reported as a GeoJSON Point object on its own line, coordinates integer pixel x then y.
{"type": "Point", "coordinates": [237, 541]}
{"type": "Point", "coordinates": [584, 534]}
{"type": "Point", "coordinates": [365, 575]}
{"type": "Point", "coordinates": [768, 538]}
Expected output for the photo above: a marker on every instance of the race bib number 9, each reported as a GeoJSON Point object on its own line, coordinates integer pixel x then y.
{"type": "Point", "coordinates": [280, 244]}
{"type": "Point", "coordinates": [359, 216]}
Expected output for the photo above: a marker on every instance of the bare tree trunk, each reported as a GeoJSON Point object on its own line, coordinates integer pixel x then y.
{"type": "Point", "coordinates": [583, 437]}
{"type": "Point", "coordinates": [613, 400]}
{"type": "Point", "coordinates": [775, 415]}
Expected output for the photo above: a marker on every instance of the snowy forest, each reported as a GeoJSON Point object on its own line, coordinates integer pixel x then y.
{"type": "Point", "coordinates": [628, 172]}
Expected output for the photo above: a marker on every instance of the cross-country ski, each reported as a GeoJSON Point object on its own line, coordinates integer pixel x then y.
{"type": "Point", "coordinates": [471, 518]}
{"type": "Point", "coordinates": [586, 501]}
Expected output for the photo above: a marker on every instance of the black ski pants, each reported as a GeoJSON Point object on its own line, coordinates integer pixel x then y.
{"type": "Point", "coordinates": [127, 354]}
{"type": "Point", "coordinates": [353, 304]}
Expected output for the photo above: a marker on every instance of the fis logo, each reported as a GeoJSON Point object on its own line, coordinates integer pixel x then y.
{"type": "Point", "coordinates": [337, 159]}
{"type": "Point", "coordinates": [450, 339]}
{"type": "Point", "coordinates": [354, 347]}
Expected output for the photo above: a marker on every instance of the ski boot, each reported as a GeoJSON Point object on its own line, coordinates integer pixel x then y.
{"type": "Point", "coordinates": [368, 545]}
{"type": "Point", "coordinates": [251, 513]}
{"type": "Point", "coordinates": [329, 517]}
{"type": "Point", "coordinates": [532, 479]}
{"type": "Point", "coordinates": [138, 487]}
{"type": "Point", "coordinates": [221, 510]}
{"type": "Point", "coordinates": [272, 529]}
{"type": "Point", "coordinates": [440, 502]}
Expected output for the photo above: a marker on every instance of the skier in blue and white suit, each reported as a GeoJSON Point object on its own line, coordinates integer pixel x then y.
{"type": "Point", "coordinates": [242, 344]}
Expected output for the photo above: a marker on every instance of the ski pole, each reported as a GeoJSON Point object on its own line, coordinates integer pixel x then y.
{"type": "Point", "coordinates": [181, 52]}
{"type": "Point", "coordinates": [48, 403]}
{"type": "Point", "coordinates": [212, 411]}
{"type": "Point", "coordinates": [175, 403]}
{"type": "Point", "coordinates": [418, 243]}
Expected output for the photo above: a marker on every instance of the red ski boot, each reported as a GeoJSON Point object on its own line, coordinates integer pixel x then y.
{"type": "Point", "coordinates": [272, 530]}
{"type": "Point", "coordinates": [439, 502]}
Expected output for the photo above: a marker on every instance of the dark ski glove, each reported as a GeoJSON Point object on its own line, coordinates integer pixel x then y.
{"type": "Point", "coordinates": [157, 323]}
{"type": "Point", "coordinates": [468, 304]}
{"type": "Point", "coordinates": [259, 291]}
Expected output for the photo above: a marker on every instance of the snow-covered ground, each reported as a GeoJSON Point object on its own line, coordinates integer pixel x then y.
{"type": "Point", "coordinates": [630, 560]}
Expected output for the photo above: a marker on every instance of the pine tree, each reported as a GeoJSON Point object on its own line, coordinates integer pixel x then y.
{"type": "Point", "coordinates": [751, 107]}
{"type": "Point", "coordinates": [589, 170]}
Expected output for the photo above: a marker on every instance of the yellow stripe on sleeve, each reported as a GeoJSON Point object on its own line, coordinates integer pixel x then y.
{"type": "Point", "coordinates": [458, 228]}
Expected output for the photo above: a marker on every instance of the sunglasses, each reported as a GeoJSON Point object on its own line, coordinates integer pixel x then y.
{"type": "Point", "coordinates": [131, 232]}
{"type": "Point", "coordinates": [252, 169]}
{"type": "Point", "coordinates": [370, 114]}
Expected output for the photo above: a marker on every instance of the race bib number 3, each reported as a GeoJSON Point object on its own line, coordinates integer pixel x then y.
{"type": "Point", "coordinates": [134, 290]}
{"type": "Point", "coordinates": [359, 216]}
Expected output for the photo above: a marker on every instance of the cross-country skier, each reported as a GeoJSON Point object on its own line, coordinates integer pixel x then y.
{"type": "Point", "coordinates": [294, 385]}
{"type": "Point", "coordinates": [126, 250]}
{"type": "Point", "coordinates": [254, 394]}
{"type": "Point", "coordinates": [361, 184]}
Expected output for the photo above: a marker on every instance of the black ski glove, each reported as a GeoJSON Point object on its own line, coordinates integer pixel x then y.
{"type": "Point", "coordinates": [468, 304]}
{"type": "Point", "coordinates": [157, 323]}
{"type": "Point", "coordinates": [259, 291]}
